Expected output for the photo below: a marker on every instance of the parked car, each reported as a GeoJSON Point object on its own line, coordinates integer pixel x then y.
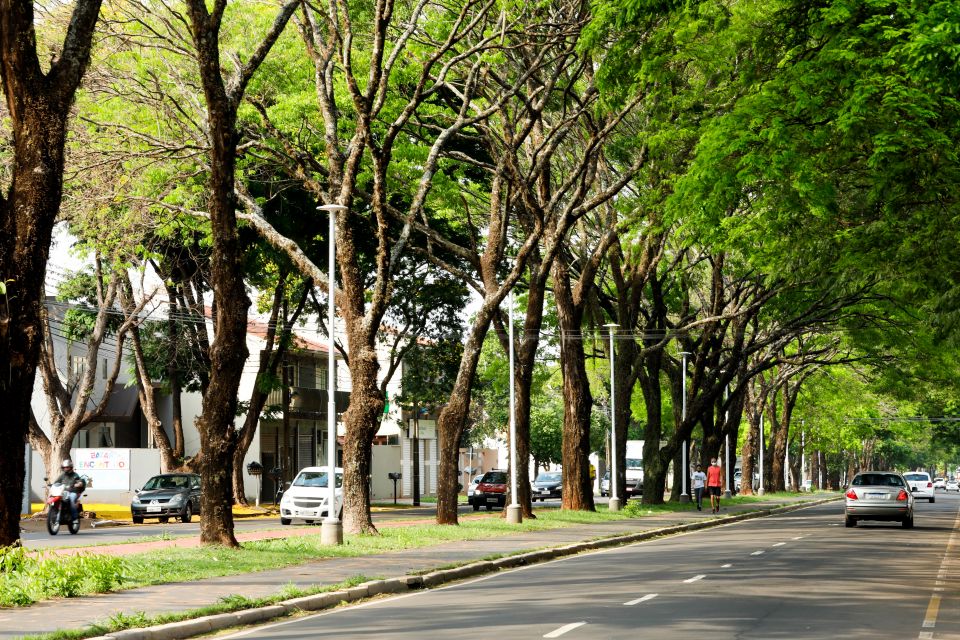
{"type": "Point", "coordinates": [879, 495]}
{"type": "Point", "coordinates": [952, 485]}
{"type": "Point", "coordinates": [547, 485]}
{"type": "Point", "coordinates": [473, 484]}
{"type": "Point", "coordinates": [921, 486]}
{"type": "Point", "coordinates": [491, 491]}
{"type": "Point", "coordinates": [939, 483]}
{"type": "Point", "coordinates": [737, 476]}
{"type": "Point", "coordinates": [168, 495]}
{"type": "Point", "coordinates": [307, 496]}
{"type": "Point", "coordinates": [605, 484]}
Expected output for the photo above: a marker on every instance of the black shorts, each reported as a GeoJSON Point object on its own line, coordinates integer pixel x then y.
{"type": "Point", "coordinates": [713, 491]}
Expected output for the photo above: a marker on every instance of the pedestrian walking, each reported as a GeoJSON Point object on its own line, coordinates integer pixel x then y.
{"type": "Point", "coordinates": [713, 485]}
{"type": "Point", "coordinates": [699, 482]}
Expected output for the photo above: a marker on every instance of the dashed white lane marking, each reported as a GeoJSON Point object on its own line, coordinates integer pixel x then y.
{"type": "Point", "coordinates": [649, 596]}
{"type": "Point", "coordinates": [695, 578]}
{"type": "Point", "coordinates": [726, 566]}
{"type": "Point", "coordinates": [757, 553]}
{"type": "Point", "coordinates": [780, 544]}
{"type": "Point", "coordinates": [798, 538]}
{"type": "Point", "coordinates": [565, 628]}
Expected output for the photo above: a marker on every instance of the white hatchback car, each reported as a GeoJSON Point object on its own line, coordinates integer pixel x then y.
{"type": "Point", "coordinates": [921, 486]}
{"type": "Point", "coordinates": [306, 498]}
{"type": "Point", "coordinates": [952, 485]}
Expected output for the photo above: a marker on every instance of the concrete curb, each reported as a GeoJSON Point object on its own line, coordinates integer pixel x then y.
{"type": "Point", "coordinates": [330, 599]}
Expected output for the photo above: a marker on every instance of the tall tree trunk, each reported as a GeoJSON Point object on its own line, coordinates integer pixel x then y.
{"type": "Point", "coordinates": [815, 469]}
{"type": "Point", "coordinates": [748, 452]}
{"type": "Point", "coordinates": [578, 401]}
{"type": "Point", "coordinates": [778, 452]}
{"type": "Point", "coordinates": [362, 420]}
{"type": "Point", "coordinates": [453, 416]}
{"type": "Point", "coordinates": [228, 353]}
{"type": "Point", "coordinates": [38, 107]}
{"type": "Point", "coordinates": [654, 466]}
{"type": "Point", "coordinates": [525, 347]}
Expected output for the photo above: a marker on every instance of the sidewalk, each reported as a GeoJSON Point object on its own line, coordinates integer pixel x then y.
{"type": "Point", "coordinates": [79, 612]}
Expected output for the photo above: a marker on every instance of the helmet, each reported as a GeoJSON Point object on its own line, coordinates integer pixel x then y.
{"type": "Point", "coordinates": [67, 464]}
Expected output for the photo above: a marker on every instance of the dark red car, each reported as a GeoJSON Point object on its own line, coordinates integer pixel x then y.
{"type": "Point", "coordinates": [491, 491]}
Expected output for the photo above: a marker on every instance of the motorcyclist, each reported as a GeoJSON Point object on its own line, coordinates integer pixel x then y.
{"type": "Point", "coordinates": [72, 481]}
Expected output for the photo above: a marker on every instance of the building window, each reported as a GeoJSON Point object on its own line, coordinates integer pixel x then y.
{"type": "Point", "coordinates": [307, 375]}
{"type": "Point", "coordinates": [76, 365]}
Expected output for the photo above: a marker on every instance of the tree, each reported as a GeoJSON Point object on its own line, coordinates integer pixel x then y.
{"type": "Point", "coordinates": [70, 389]}
{"type": "Point", "coordinates": [228, 351]}
{"type": "Point", "coordinates": [38, 108]}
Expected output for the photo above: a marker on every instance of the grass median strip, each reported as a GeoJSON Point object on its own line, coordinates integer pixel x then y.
{"type": "Point", "coordinates": [140, 620]}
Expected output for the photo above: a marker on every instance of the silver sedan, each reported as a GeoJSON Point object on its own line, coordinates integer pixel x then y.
{"type": "Point", "coordinates": [879, 495]}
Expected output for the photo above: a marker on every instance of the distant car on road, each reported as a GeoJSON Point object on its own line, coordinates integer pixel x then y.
{"type": "Point", "coordinates": [939, 483]}
{"type": "Point", "coordinates": [921, 486]}
{"type": "Point", "coordinates": [473, 484]}
{"type": "Point", "coordinates": [952, 485]}
{"type": "Point", "coordinates": [306, 498]}
{"type": "Point", "coordinates": [491, 491]}
{"type": "Point", "coordinates": [547, 485]}
{"type": "Point", "coordinates": [634, 487]}
{"type": "Point", "coordinates": [168, 495]}
{"type": "Point", "coordinates": [879, 495]}
{"type": "Point", "coordinates": [605, 484]}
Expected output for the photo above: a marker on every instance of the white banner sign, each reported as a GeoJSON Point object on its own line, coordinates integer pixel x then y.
{"type": "Point", "coordinates": [108, 469]}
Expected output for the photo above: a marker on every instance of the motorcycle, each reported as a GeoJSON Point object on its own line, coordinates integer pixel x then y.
{"type": "Point", "coordinates": [58, 510]}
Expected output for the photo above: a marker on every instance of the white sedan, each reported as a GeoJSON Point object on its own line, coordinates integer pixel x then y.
{"type": "Point", "coordinates": [952, 485]}
{"type": "Point", "coordinates": [306, 498]}
{"type": "Point", "coordinates": [921, 485]}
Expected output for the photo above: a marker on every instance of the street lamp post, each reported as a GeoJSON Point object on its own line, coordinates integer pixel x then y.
{"type": "Point", "coordinates": [514, 512]}
{"type": "Point", "coordinates": [803, 454]}
{"type": "Point", "coordinates": [684, 496]}
{"type": "Point", "coordinates": [728, 472]}
{"type": "Point", "coordinates": [614, 503]}
{"type": "Point", "coordinates": [760, 490]}
{"type": "Point", "coordinates": [331, 531]}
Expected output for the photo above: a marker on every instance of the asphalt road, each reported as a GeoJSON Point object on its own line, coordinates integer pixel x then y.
{"type": "Point", "coordinates": [798, 575]}
{"type": "Point", "coordinates": [36, 536]}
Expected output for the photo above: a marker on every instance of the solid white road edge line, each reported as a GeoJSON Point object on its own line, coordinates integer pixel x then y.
{"type": "Point", "coordinates": [565, 628]}
{"type": "Point", "coordinates": [649, 596]}
{"type": "Point", "coordinates": [933, 607]}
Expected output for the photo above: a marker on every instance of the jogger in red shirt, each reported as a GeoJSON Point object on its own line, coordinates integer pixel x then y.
{"type": "Point", "coordinates": [713, 485]}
